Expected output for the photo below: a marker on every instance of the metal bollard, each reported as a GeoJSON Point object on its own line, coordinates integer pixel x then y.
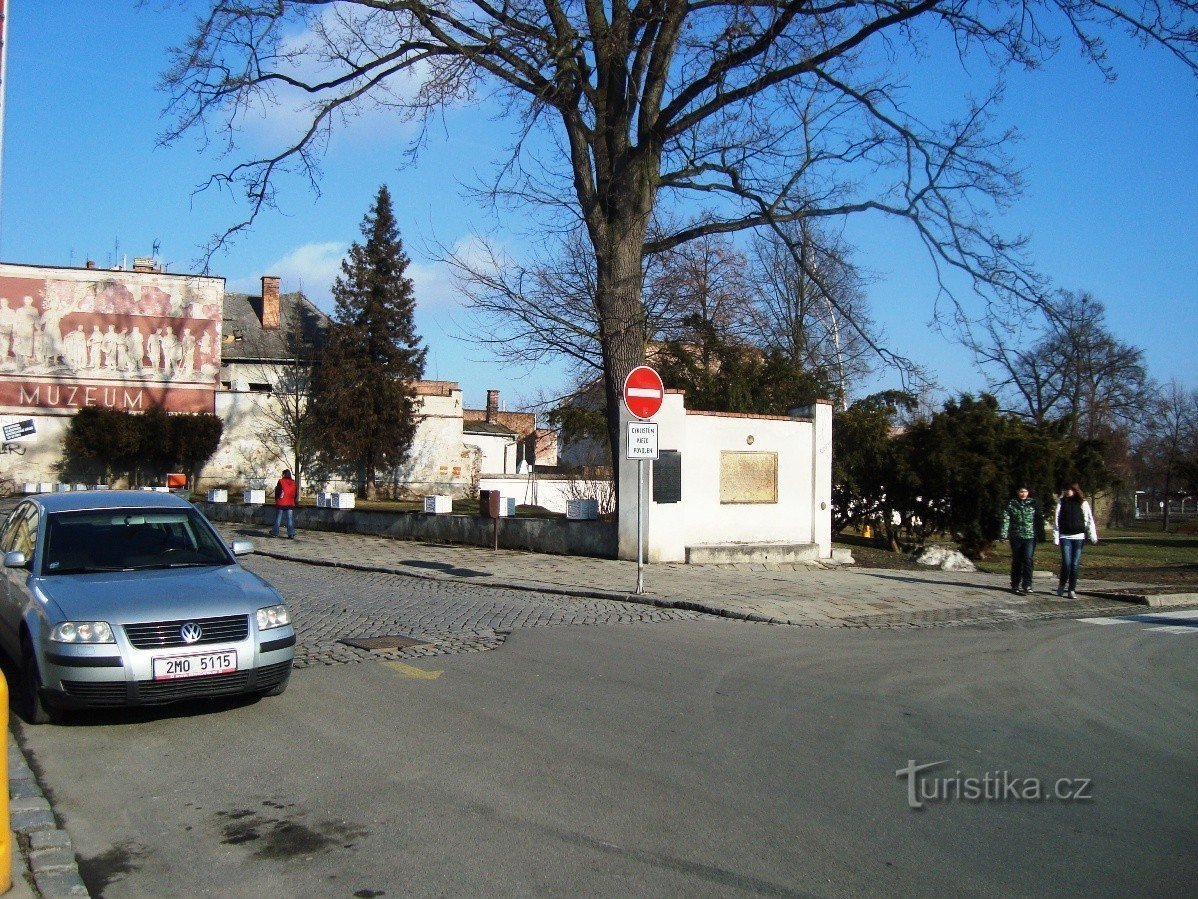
{"type": "Point", "coordinates": [6, 829]}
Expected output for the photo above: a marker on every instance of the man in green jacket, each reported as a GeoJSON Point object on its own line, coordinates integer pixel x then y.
{"type": "Point", "coordinates": [1023, 525]}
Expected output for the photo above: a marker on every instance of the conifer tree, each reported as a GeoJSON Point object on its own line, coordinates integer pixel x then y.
{"type": "Point", "coordinates": [363, 388]}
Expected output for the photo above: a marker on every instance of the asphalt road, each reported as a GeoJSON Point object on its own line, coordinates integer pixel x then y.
{"type": "Point", "coordinates": [665, 757]}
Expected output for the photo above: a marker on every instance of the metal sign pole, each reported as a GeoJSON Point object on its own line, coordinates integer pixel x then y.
{"type": "Point", "coordinates": [640, 527]}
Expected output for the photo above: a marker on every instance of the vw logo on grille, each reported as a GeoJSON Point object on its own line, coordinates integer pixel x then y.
{"type": "Point", "coordinates": [191, 632]}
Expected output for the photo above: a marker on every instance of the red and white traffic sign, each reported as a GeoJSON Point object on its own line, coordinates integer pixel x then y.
{"type": "Point", "coordinates": [643, 392]}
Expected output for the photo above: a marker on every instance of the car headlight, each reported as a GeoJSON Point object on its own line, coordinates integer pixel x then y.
{"type": "Point", "coordinates": [273, 616]}
{"type": "Point", "coordinates": [82, 632]}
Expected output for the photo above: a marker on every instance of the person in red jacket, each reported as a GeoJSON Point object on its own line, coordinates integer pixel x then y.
{"type": "Point", "coordinates": [286, 494]}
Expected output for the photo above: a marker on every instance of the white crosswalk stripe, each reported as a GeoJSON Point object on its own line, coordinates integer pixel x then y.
{"type": "Point", "coordinates": [1181, 622]}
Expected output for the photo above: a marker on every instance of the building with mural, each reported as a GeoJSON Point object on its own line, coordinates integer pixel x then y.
{"type": "Point", "coordinates": [133, 340]}
{"type": "Point", "coordinates": [77, 337]}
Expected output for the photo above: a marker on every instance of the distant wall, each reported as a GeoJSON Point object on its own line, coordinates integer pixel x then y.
{"type": "Point", "coordinates": [546, 492]}
{"type": "Point", "coordinates": [546, 535]}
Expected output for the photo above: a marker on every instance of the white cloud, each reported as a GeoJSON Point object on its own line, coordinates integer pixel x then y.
{"type": "Point", "coordinates": [311, 268]}
{"type": "Point", "coordinates": [434, 281]}
{"type": "Point", "coordinates": [433, 285]}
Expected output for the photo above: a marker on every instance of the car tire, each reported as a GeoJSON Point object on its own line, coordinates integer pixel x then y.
{"type": "Point", "coordinates": [34, 709]}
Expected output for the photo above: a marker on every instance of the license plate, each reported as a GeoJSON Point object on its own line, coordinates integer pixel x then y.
{"type": "Point", "coordinates": [195, 666]}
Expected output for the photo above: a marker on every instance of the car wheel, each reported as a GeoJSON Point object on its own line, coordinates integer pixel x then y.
{"type": "Point", "coordinates": [33, 708]}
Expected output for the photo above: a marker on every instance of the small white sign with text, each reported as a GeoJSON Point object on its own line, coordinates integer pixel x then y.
{"type": "Point", "coordinates": [642, 440]}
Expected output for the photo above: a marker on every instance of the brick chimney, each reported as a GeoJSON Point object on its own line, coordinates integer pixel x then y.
{"type": "Point", "coordinates": [270, 303]}
{"type": "Point", "coordinates": [492, 404]}
{"type": "Point", "coordinates": [91, 263]}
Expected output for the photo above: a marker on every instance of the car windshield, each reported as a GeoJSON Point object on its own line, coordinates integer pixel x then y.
{"type": "Point", "coordinates": [128, 540]}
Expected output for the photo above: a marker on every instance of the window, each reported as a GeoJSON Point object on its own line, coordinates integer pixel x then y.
{"type": "Point", "coordinates": [128, 539]}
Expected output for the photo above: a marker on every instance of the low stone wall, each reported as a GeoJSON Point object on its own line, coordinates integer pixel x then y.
{"type": "Point", "coordinates": [544, 535]}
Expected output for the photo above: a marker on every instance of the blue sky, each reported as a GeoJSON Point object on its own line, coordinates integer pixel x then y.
{"type": "Point", "coordinates": [1111, 202]}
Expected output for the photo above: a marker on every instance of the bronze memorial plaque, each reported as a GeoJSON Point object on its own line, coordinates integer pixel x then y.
{"type": "Point", "coordinates": [748, 477]}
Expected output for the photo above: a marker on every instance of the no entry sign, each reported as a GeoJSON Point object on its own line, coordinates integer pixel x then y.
{"type": "Point", "coordinates": [643, 392]}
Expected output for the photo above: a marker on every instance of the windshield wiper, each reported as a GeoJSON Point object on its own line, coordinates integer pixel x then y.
{"type": "Point", "coordinates": [161, 565]}
{"type": "Point", "coordinates": [86, 569]}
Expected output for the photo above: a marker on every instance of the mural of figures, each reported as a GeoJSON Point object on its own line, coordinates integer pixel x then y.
{"type": "Point", "coordinates": [136, 350]}
{"type": "Point", "coordinates": [24, 325]}
{"type": "Point", "coordinates": [122, 350]}
{"type": "Point", "coordinates": [74, 348]}
{"type": "Point", "coordinates": [108, 348]}
{"type": "Point", "coordinates": [154, 348]}
{"type": "Point", "coordinates": [187, 352]}
{"type": "Point", "coordinates": [146, 337]}
{"type": "Point", "coordinates": [95, 342]}
{"type": "Point", "coordinates": [51, 327]}
{"type": "Point", "coordinates": [7, 319]}
{"type": "Point", "coordinates": [170, 351]}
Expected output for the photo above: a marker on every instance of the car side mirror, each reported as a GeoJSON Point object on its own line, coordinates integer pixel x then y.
{"type": "Point", "coordinates": [241, 547]}
{"type": "Point", "coordinates": [15, 560]}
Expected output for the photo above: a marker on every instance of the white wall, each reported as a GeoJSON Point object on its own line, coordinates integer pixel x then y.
{"type": "Point", "coordinates": [438, 461]}
{"type": "Point", "coordinates": [499, 452]}
{"type": "Point", "coordinates": [548, 493]}
{"type": "Point", "coordinates": [801, 515]}
{"type": "Point", "coordinates": [252, 448]}
{"type": "Point", "coordinates": [32, 459]}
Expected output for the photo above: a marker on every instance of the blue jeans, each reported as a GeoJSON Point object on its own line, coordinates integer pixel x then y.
{"type": "Point", "coordinates": [281, 513]}
{"type": "Point", "coordinates": [1021, 562]}
{"type": "Point", "coordinates": [1071, 561]}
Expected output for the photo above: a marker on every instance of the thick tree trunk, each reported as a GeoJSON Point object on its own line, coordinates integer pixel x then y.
{"type": "Point", "coordinates": [617, 226]}
{"type": "Point", "coordinates": [622, 319]}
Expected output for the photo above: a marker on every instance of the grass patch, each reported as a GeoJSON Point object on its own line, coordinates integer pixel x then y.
{"type": "Point", "coordinates": [1140, 555]}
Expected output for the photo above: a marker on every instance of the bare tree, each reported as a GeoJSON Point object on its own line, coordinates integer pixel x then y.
{"type": "Point", "coordinates": [1168, 445]}
{"type": "Point", "coordinates": [737, 114]}
{"type": "Point", "coordinates": [707, 279]}
{"type": "Point", "coordinates": [811, 305]}
{"type": "Point", "coordinates": [1065, 363]}
{"type": "Point", "coordinates": [529, 312]}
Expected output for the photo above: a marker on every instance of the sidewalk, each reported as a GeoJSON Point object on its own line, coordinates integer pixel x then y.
{"type": "Point", "coordinates": [43, 858]}
{"type": "Point", "coordinates": [798, 594]}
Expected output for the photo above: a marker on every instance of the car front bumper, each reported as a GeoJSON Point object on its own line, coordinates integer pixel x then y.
{"type": "Point", "coordinates": [109, 676]}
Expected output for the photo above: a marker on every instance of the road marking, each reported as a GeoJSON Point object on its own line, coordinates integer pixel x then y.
{"type": "Point", "coordinates": [412, 671]}
{"type": "Point", "coordinates": [1179, 622]}
{"type": "Point", "coordinates": [1174, 629]}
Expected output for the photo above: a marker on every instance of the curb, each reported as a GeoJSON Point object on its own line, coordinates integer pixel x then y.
{"type": "Point", "coordinates": [46, 854]}
{"type": "Point", "coordinates": [1152, 600]}
{"type": "Point", "coordinates": [983, 616]}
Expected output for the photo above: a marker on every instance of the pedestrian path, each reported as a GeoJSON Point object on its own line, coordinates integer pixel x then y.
{"type": "Point", "coordinates": [1180, 622]}
{"type": "Point", "coordinates": [796, 594]}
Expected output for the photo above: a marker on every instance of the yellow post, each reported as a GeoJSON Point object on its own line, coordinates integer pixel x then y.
{"type": "Point", "coordinates": [6, 827]}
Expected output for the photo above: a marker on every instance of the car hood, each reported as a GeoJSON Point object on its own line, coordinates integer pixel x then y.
{"type": "Point", "coordinates": [128, 596]}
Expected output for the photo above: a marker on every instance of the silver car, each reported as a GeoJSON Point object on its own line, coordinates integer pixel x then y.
{"type": "Point", "coordinates": [130, 598]}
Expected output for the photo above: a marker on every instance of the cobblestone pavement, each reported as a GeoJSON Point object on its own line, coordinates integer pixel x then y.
{"type": "Point", "coordinates": [798, 594]}
{"type": "Point", "coordinates": [330, 605]}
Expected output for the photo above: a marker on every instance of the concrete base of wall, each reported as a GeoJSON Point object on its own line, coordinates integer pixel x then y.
{"type": "Point", "coordinates": [543, 535]}
{"type": "Point", "coordinates": [729, 553]}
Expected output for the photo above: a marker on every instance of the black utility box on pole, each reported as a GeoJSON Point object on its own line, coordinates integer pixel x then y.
{"type": "Point", "coordinates": [488, 507]}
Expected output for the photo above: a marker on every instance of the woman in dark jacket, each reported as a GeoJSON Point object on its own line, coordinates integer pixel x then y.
{"type": "Point", "coordinates": [1072, 526]}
